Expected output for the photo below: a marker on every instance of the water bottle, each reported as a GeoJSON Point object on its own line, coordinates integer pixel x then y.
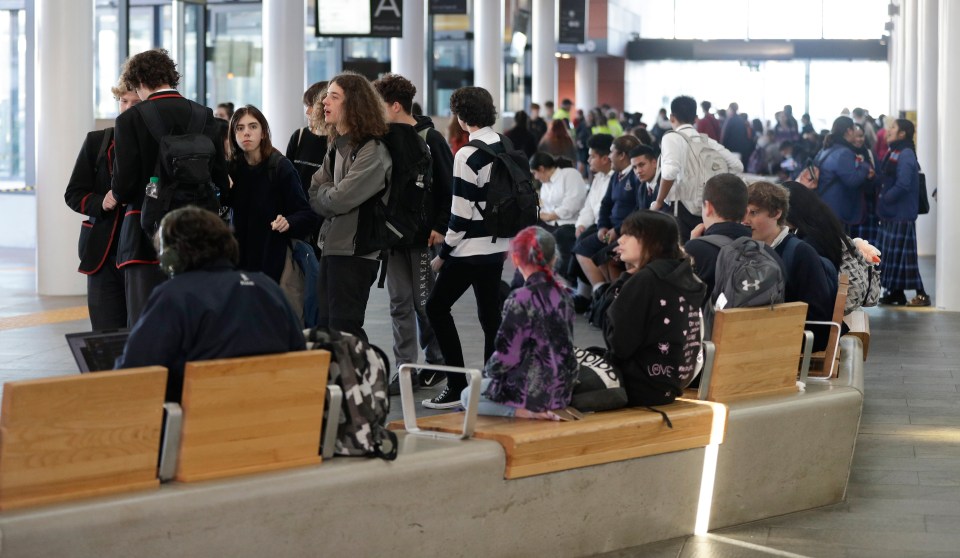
{"type": "Point", "coordinates": [152, 187]}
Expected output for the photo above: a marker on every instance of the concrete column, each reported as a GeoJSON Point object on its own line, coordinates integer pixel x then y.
{"type": "Point", "coordinates": [408, 54]}
{"type": "Point", "coordinates": [585, 82]}
{"type": "Point", "coordinates": [488, 48]}
{"type": "Point", "coordinates": [948, 90]}
{"type": "Point", "coordinates": [927, 122]}
{"type": "Point", "coordinates": [908, 17]}
{"type": "Point", "coordinates": [893, 57]}
{"type": "Point", "coordinates": [64, 32]}
{"type": "Point", "coordinates": [544, 42]}
{"type": "Point", "coordinates": [284, 61]}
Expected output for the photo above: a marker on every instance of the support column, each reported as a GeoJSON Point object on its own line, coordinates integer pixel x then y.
{"type": "Point", "coordinates": [544, 43]}
{"type": "Point", "coordinates": [284, 61]}
{"type": "Point", "coordinates": [408, 54]}
{"type": "Point", "coordinates": [908, 17]}
{"type": "Point", "coordinates": [585, 83]}
{"type": "Point", "coordinates": [927, 121]}
{"type": "Point", "coordinates": [64, 39]}
{"type": "Point", "coordinates": [948, 89]}
{"type": "Point", "coordinates": [488, 49]}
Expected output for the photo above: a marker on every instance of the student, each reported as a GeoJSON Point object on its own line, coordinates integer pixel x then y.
{"type": "Point", "coordinates": [269, 206]}
{"type": "Point", "coordinates": [652, 331]}
{"type": "Point", "coordinates": [468, 255]}
{"type": "Point", "coordinates": [842, 175]}
{"type": "Point", "coordinates": [224, 111]}
{"type": "Point", "coordinates": [308, 145]}
{"type": "Point", "coordinates": [207, 309]}
{"type": "Point", "coordinates": [533, 370]}
{"type": "Point", "coordinates": [562, 193]}
{"type": "Point", "coordinates": [409, 276]}
{"type": "Point", "coordinates": [807, 278]}
{"type": "Point", "coordinates": [88, 193]}
{"type": "Point", "coordinates": [354, 171]}
{"type": "Point", "coordinates": [644, 162]}
{"type": "Point", "coordinates": [153, 75]}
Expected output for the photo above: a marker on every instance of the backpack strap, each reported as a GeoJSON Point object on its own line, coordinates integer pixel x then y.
{"type": "Point", "coordinates": [718, 240]}
{"type": "Point", "coordinates": [273, 162]}
{"type": "Point", "coordinates": [151, 117]}
{"type": "Point", "coordinates": [198, 118]}
{"type": "Point", "coordinates": [104, 146]}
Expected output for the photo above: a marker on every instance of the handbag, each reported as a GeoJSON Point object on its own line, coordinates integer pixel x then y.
{"type": "Point", "coordinates": [924, 203]}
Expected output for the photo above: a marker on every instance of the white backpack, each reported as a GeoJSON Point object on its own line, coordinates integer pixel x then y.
{"type": "Point", "coordinates": [701, 164]}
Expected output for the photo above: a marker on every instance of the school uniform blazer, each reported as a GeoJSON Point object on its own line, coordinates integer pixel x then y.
{"type": "Point", "coordinates": [89, 183]}
{"type": "Point", "coordinates": [135, 162]}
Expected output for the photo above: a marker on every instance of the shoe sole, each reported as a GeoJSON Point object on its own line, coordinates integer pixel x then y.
{"type": "Point", "coordinates": [429, 404]}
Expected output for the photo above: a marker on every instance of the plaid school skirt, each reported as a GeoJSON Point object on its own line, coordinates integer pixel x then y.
{"type": "Point", "coordinates": [898, 256]}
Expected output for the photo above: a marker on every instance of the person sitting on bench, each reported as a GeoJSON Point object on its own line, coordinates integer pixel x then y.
{"type": "Point", "coordinates": [533, 369]}
{"type": "Point", "coordinates": [208, 309]}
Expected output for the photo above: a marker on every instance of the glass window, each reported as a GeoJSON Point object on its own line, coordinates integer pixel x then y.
{"type": "Point", "coordinates": [107, 69]}
{"type": "Point", "coordinates": [770, 19]}
{"type": "Point", "coordinates": [709, 19]}
{"type": "Point", "coordinates": [12, 97]}
{"type": "Point", "coordinates": [854, 19]}
{"type": "Point", "coordinates": [235, 47]}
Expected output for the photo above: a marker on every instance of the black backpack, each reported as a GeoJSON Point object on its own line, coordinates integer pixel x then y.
{"type": "Point", "coordinates": [184, 166]}
{"type": "Point", "coordinates": [512, 202]}
{"type": "Point", "coordinates": [399, 215]}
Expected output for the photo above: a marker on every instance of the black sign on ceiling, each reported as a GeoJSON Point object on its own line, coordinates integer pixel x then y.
{"type": "Point", "coordinates": [448, 7]}
{"type": "Point", "coordinates": [386, 18]}
{"type": "Point", "coordinates": [572, 22]}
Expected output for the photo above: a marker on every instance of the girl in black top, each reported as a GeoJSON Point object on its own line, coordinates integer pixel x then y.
{"type": "Point", "coordinates": [308, 145]}
{"type": "Point", "coordinates": [269, 206]}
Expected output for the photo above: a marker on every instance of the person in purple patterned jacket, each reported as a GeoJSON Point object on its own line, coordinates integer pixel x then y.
{"type": "Point", "coordinates": [533, 369]}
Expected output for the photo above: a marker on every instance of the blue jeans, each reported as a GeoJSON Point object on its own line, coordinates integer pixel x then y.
{"type": "Point", "coordinates": [486, 406]}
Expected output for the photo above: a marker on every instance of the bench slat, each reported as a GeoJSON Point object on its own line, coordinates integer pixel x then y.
{"type": "Point", "coordinates": [535, 447]}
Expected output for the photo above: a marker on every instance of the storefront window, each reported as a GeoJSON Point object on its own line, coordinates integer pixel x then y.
{"type": "Point", "coordinates": [12, 97]}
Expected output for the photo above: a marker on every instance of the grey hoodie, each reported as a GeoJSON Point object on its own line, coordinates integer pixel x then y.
{"type": "Point", "coordinates": [337, 190]}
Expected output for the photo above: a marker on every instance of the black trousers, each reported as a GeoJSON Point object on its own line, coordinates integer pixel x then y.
{"type": "Point", "coordinates": [106, 298]}
{"type": "Point", "coordinates": [344, 289]}
{"type": "Point", "coordinates": [454, 279]}
{"type": "Point", "coordinates": [139, 281]}
{"type": "Point", "coordinates": [686, 222]}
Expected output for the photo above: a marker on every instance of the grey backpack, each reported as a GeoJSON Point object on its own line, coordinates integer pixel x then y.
{"type": "Point", "coordinates": [360, 369]}
{"type": "Point", "coordinates": [747, 275]}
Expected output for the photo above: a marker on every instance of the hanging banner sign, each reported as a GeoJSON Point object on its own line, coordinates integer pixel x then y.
{"type": "Point", "coordinates": [573, 22]}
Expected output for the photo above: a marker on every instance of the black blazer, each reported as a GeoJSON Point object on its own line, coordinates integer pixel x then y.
{"type": "Point", "coordinates": [136, 159]}
{"type": "Point", "coordinates": [89, 183]}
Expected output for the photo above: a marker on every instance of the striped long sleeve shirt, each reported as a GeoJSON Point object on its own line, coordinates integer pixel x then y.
{"type": "Point", "coordinates": [467, 235]}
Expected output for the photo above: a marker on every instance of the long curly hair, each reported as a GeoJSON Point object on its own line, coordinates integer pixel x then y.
{"type": "Point", "coordinates": [363, 113]}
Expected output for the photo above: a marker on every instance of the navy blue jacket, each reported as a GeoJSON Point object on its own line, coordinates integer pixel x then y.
{"type": "Point", "coordinates": [807, 281]}
{"type": "Point", "coordinates": [841, 182]}
{"type": "Point", "coordinates": [899, 197]}
{"type": "Point", "coordinates": [214, 312]}
{"type": "Point", "coordinates": [619, 201]}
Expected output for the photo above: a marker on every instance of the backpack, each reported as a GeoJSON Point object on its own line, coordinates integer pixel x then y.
{"type": "Point", "coordinates": [864, 288]}
{"type": "Point", "coordinates": [360, 369]}
{"type": "Point", "coordinates": [747, 275]}
{"type": "Point", "coordinates": [701, 164]}
{"type": "Point", "coordinates": [599, 385]}
{"type": "Point", "coordinates": [401, 214]}
{"type": "Point", "coordinates": [512, 202]}
{"type": "Point", "coordinates": [184, 165]}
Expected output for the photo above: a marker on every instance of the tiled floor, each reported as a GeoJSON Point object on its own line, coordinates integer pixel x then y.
{"type": "Point", "coordinates": [904, 493]}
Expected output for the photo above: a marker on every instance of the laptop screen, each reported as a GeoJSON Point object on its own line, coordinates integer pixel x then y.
{"type": "Point", "coordinates": [97, 350]}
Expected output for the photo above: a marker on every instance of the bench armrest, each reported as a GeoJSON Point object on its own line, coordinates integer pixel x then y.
{"type": "Point", "coordinates": [807, 351]}
{"type": "Point", "coordinates": [409, 406]}
{"type": "Point", "coordinates": [709, 352]}
{"type": "Point", "coordinates": [328, 442]}
{"type": "Point", "coordinates": [835, 351]}
{"type": "Point", "coordinates": [170, 445]}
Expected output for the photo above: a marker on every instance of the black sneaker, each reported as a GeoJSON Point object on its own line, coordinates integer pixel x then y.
{"type": "Point", "coordinates": [430, 378]}
{"type": "Point", "coordinates": [448, 399]}
{"type": "Point", "coordinates": [581, 304]}
{"type": "Point", "coordinates": [394, 388]}
{"type": "Point", "coordinates": [896, 298]}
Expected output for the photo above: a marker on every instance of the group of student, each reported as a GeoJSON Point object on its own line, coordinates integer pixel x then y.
{"type": "Point", "coordinates": [624, 233]}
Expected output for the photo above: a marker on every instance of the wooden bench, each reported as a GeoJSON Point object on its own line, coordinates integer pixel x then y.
{"type": "Point", "coordinates": [824, 364]}
{"type": "Point", "coordinates": [251, 414]}
{"type": "Point", "coordinates": [754, 351]}
{"type": "Point", "coordinates": [859, 324]}
{"type": "Point", "coordinates": [78, 436]}
{"type": "Point", "coordinates": [534, 447]}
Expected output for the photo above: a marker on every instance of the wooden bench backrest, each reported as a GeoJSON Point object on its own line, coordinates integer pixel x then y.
{"type": "Point", "coordinates": [251, 414]}
{"type": "Point", "coordinates": [825, 364]}
{"type": "Point", "coordinates": [757, 350]}
{"type": "Point", "coordinates": [77, 436]}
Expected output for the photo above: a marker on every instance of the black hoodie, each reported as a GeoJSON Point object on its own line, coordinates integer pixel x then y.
{"type": "Point", "coordinates": [442, 172]}
{"type": "Point", "coordinates": [653, 330]}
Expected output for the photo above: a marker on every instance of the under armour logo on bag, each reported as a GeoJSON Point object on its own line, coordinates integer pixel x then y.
{"type": "Point", "coordinates": [747, 285]}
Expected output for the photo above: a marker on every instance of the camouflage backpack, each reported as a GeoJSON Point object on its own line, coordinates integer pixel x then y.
{"type": "Point", "coordinates": [360, 369]}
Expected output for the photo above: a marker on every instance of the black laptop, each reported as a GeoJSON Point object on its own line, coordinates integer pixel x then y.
{"type": "Point", "coordinates": [97, 350]}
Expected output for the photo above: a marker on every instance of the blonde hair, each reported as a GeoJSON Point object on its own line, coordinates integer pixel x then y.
{"type": "Point", "coordinates": [119, 90]}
